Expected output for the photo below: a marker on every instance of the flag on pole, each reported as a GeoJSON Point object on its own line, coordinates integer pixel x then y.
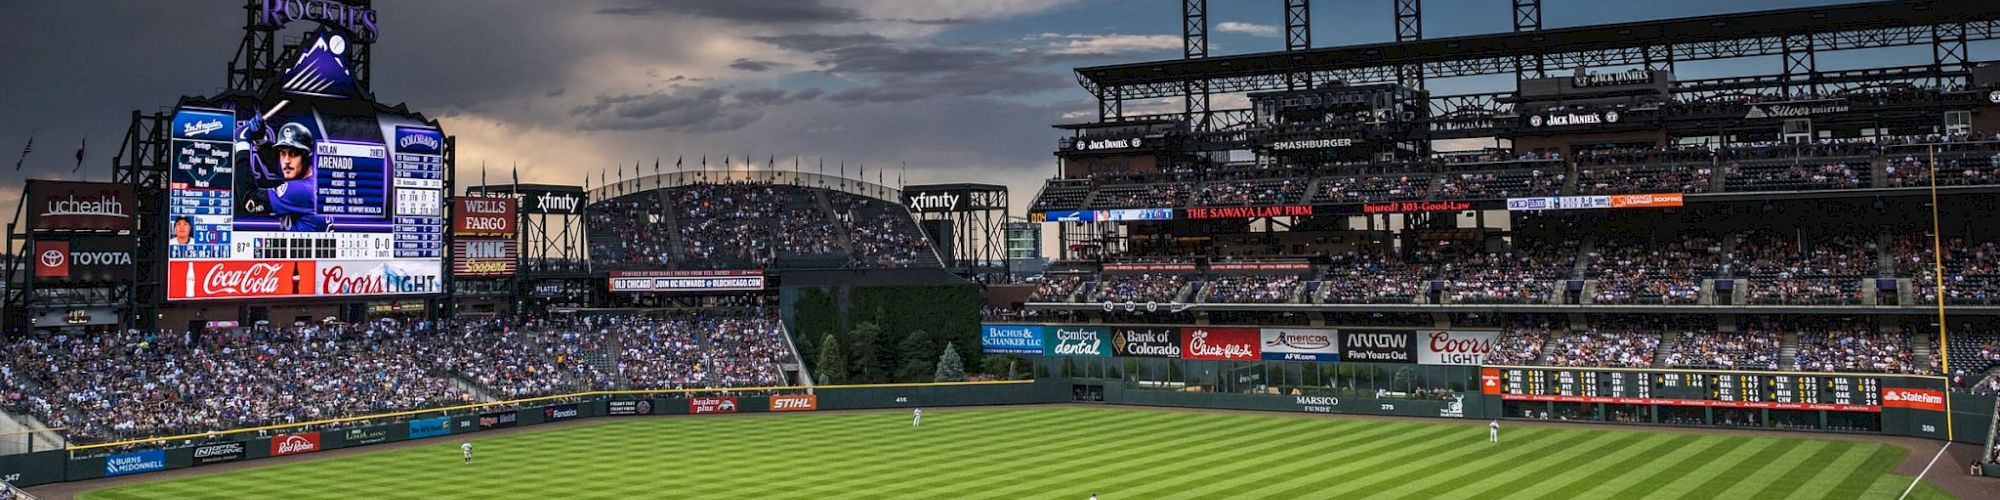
{"type": "Point", "coordinates": [24, 151]}
{"type": "Point", "coordinates": [516, 188]}
{"type": "Point", "coordinates": [656, 172]}
{"type": "Point", "coordinates": [482, 175]}
{"type": "Point", "coordinates": [79, 153]}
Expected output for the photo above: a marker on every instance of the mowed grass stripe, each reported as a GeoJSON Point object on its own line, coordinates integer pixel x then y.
{"type": "Point", "coordinates": [1648, 481]}
{"type": "Point", "coordinates": [1441, 473]}
{"type": "Point", "coordinates": [1006, 443]}
{"type": "Point", "coordinates": [1722, 476]}
{"type": "Point", "coordinates": [1001, 480]}
{"type": "Point", "coordinates": [1414, 448]}
{"type": "Point", "coordinates": [1681, 480]}
{"type": "Point", "coordinates": [968, 432]}
{"type": "Point", "coordinates": [1596, 472]}
{"type": "Point", "coordinates": [1357, 433]}
{"type": "Point", "coordinates": [1240, 465]}
{"type": "Point", "coordinates": [1030, 453]}
{"type": "Point", "coordinates": [1556, 465]}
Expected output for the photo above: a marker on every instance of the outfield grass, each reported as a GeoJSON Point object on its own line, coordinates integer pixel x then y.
{"type": "Point", "coordinates": [1072, 452]}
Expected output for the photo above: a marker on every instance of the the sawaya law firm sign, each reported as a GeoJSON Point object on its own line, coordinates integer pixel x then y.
{"type": "Point", "coordinates": [430, 427]}
{"type": "Point", "coordinates": [1011, 339]}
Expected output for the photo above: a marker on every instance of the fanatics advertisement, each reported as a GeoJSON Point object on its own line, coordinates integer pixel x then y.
{"type": "Point", "coordinates": [1146, 342]}
{"type": "Point", "coordinates": [712, 405]}
{"type": "Point", "coordinates": [293, 444]}
{"type": "Point", "coordinates": [560, 413]}
{"type": "Point", "coordinates": [84, 259]}
{"type": "Point", "coordinates": [135, 462]}
{"type": "Point", "coordinates": [310, 175]}
{"type": "Point", "coordinates": [1011, 339]}
{"type": "Point", "coordinates": [480, 216]}
{"type": "Point", "coordinates": [79, 206]}
{"type": "Point", "coordinates": [1232, 344]}
{"type": "Point", "coordinates": [1299, 344]}
{"type": "Point", "coordinates": [687, 281]}
{"type": "Point", "coordinates": [795, 402]}
{"type": "Point", "coordinates": [484, 258]}
{"type": "Point", "coordinates": [1377, 347]}
{"type": "Point", "coordinates": [1454, 348]}
{"type": "Point", "coordinates": [219, 453]}
{"type": "Point", "coordinates": [1078, 341]}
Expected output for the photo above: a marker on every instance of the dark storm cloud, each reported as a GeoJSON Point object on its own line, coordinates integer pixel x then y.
{"type": "Point", "coordinates": [761, 96]}
{"type": "Point", "coordinates": [811, 42]}
{"type": "Point", "coordinates": [747, 64]}
{"type": "Point", "coordinates": [757, 11]}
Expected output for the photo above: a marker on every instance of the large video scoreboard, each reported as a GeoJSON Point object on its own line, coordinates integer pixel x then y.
{"type": "Point", "coordinates": [1778, 390]}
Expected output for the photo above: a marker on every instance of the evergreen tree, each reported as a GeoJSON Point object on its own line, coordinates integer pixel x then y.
{"type": "Point", "coordinates": [867, 367]}
{"type": "Point", "coordinates": [917, 354]}
{"type": "Point", "coordinates": [832, 365]}
{"type": "Point", "coordinates": [805, 344]}
{"type": "Point", "coordinates": [949, 367]}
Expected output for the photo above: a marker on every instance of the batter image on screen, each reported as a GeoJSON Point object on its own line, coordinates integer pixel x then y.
{"type": "Point", "coordinates": [183, 230]}
{"type": "Point", "coordinates": [290, 192]}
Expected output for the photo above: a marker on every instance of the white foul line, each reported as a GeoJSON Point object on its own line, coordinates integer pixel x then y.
{"type": "Point", "coordinates": [1927, 470]}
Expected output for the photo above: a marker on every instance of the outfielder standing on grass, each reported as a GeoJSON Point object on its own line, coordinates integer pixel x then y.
{"type": "Point", "coordinates": [1493, 432]}
{"type": "Point", "coordinates": [917, 418]}
{"type": "Point", "coordinates": [467, 448]}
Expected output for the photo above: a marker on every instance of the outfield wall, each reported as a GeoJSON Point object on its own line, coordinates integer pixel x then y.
{"type": "Point", "coordinates": [86, 462]}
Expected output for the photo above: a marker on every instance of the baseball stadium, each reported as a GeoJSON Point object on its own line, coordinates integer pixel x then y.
{"type": "Point", "coordinates": [1671, 257]}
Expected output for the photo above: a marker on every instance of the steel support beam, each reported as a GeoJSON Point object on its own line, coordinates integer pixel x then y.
{"type": "Point", "coordinates": [1194, 45]}
{"type": "Point", "coordinates": [1528, 17]}
{"type": "Point", "coordinates": [1298, 36]}
{"type": "Point", "coordinates": [1948, 49]}
{"type": "Point", "coordinates": [1409, 28]}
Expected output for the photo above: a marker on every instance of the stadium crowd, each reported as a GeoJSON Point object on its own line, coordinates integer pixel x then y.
{"type": "Point", "coordinates": [752, 226]}
{"type": "Point", "coordinates": [129, 383]}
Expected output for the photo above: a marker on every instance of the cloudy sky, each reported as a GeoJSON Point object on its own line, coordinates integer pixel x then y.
{"type": "Point", "coordinates": [960, 90]}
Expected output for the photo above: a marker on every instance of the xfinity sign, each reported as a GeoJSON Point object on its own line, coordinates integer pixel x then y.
{"type": "Point", "coordinates": [938, 202]}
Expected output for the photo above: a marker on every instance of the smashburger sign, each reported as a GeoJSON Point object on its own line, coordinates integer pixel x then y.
{"type": "Point", "coordinates": [1454, 347]}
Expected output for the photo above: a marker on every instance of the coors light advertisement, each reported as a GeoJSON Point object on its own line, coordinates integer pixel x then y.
{"type": "Point", "coordinates": [1454, 347]}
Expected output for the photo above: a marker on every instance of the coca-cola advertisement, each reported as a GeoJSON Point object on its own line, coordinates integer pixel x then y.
{"type": "Point", "coordinates": [1439, 347]}
{"type": "Point", "coordinates": [79, 206]}
{"type": "Point", "coordinates": [482, 216]}
{"type": "Point", "coordinates": [293, 444]}
{"type": "Point", "coordinates": [231, 279]}
{"type": "Point", "coordinates": [1234, 344]}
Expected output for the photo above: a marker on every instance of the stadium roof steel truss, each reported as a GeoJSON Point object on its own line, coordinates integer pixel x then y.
{"type": "Point", "coordinates": [1796, 34]}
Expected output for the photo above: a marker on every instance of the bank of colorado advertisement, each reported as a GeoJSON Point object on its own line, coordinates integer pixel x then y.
{"type": "Point", "coordinates": [308, 175]}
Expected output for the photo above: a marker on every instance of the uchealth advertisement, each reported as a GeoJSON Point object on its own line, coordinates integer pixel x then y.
{"type": "Point", "coordinates": [1299, 344]}
{"type": "Point", "coordinates": [1233, 344]}
{"type": "Point", "coordinates": [301, 278]}
{"type": "Point", "coordinates": [1078, 341]}
{"type": "Point", "coordinates": [1011, 339]}
{"type": "Point", "coordinates": [1377, 347]}
{"type": "Point", "coordinates": [293, 444]}
{"type": "Point", "coordinates": [795, 402]}
{"type": "Point", "coordinates": [1440, 347]}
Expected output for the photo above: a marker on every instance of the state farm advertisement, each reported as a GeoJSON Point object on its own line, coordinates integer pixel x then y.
{"type": "Point", "coordinates": [1236, 344]}
{"type": "Point", "coordinates": [200, 280]}
{"type": "Point", "coordinates": [293, 444]}
{"type": "Point", "coordinates": [1915, 399]}
{"type": "Point", "coordinates": [1454, 347]}
{"type": "Point", "coordinates": [480, 216]}
{"type": "Point", "coordinates": [483, 258]}
{"type": "Point", "coordinates": [712, 405]}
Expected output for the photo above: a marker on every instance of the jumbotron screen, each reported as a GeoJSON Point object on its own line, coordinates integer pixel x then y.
{"type": "Point", "coordinates": [309, 190]}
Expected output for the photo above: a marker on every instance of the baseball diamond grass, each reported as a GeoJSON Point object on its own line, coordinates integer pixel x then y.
{"type": "Point", "coordinates": [1071, 452]}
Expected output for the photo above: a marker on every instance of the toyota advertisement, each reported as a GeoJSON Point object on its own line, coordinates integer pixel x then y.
{"type": "Point", "coordinates": [89, 259]}
{"type": "Point", "coordinates": [308, 178]}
